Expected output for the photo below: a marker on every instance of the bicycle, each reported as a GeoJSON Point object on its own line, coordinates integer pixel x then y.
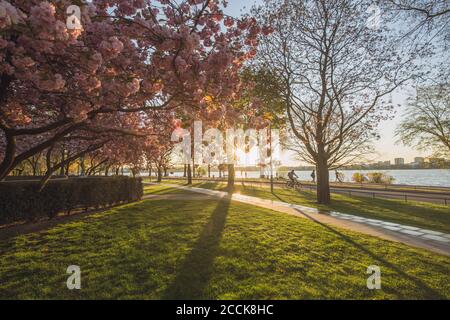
{"type": "Point", "coordinates": [293, 185]}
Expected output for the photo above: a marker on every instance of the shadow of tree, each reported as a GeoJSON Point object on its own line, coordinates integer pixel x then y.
{"type": "Point", "coordinates": [212, 186]}
{"type": "Point", "coordinates": [196, 271]}
{"type": "Point", "coordinates": [277, 196]}
{"type": "Point", "coordinates": [429, 292]}
{"type": "Point", "coordinates": [394, 210]}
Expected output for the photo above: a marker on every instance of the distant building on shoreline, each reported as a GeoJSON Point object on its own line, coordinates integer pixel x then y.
{"type": "Point", "coordinates": [400, 163]}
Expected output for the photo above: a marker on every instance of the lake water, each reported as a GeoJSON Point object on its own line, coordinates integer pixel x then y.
{"type": "Point", "coordinates": [428, 177]}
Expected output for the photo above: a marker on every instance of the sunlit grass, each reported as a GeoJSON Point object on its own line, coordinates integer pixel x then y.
{"type": "Point", "coordinates": [212, 249]}
{"type": "Point", "coordinates": [418, 214]}
{"type": "Point", "coordinates": [161, 189]}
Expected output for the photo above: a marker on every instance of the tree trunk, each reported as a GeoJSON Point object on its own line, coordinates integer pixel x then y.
{"type": "Point", "coordinates": [189, 174]}
{"type": "Point", "coordinates": [34, 167]}
{"type": "Point", "coordinates": [10, 139]}
{"type": "Point", "coordinates": [6, 166]}
{"type": "Point", "coordinates": [185, 171]}
{"type": "Point", "coordinates": [209, 171]}
{"type": "Point", "coordinates": [323, 181]}
{"type": "Point", "coordinates": [231, 176]}
{"type": "Point", "coordinates": [62, 169]}
{"type": "Point", "coordinates": [159, 174]}
{"type": "Point", "coordinates": [82, 167]}
{"type": "Point", "coordinates": [53, 169]}
{"type": "Point", "coordinates": [48, 159]}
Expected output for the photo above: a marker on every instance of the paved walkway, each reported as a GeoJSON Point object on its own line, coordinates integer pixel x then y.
{"type": "Point", "coordinates": [442, 198]}
{"type": "Point", "coordinates": [422, 238]}
{"type": "Point", "coordinates": [184, 196]}
{"type": "Point", "coordinates": [412, 195]}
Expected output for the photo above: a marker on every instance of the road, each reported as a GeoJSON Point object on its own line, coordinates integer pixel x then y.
{"type": "Point", "coordinates": [436, 197]}
{"type": "Point", "coordinates": [403, 195]}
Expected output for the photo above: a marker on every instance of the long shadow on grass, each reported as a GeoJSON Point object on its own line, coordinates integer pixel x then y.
{"type": "Point", "coordinates": [212, 186]}
{"type": "Point", "coordinates": [277, 196]}
{"type": "Point", "coordinates": [420, 215]}
{"type": "Point", "coordinates": [430, 292]}
{"type": "Point", "coordinates": [196, 272]}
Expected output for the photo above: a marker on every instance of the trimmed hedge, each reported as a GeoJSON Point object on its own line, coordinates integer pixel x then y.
{"type": "Point", "coordinates": [21, 200]}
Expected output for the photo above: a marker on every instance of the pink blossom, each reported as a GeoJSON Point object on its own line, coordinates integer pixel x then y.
{"type": "Point", "coordinates": [9, 14]}
{"type": "Point", "coordinates": [42, 15]}
{"type": "Point", "coordinates": [134, 86]}
{"type": "Point", "coordinates": [61, 31]}
{"type": "Point", "coordinates": [95, 62]}
{"type": "Point", "coordinates": [55, 84]}
{"type": "Point", "coordinates": [23, 62]}
{"type": "Point", "coordinates": [112, 47]}
{"type": "Point", "coordinates": [229, 22]}
{"type": "Point", "coordinates": [3, 44]}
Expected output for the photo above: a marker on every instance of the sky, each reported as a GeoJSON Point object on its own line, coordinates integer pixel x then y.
{"type": "Point", "coordinates": [387, 147]}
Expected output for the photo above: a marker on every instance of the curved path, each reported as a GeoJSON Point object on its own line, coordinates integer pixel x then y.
{"type": "Point", "coordinates": [412, 195]}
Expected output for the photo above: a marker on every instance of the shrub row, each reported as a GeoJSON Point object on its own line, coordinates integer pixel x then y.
{"type": "Point", "coordinates": [373, 177]}
{"type": "Point", "coordinates": [22, 200]}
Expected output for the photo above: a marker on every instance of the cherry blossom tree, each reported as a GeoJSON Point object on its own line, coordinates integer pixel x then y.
{"type": "Point", "coordinates": [126, 57]}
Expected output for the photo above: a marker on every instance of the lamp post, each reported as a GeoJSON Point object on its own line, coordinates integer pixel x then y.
{"type": "Point", "coordinates": [271, 158]}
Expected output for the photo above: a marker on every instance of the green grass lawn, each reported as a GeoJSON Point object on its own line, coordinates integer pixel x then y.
{"type": "Point", "coordinates": [161, 189]}
{"type": "Point", "coordinates": [212, 249]}
{"type": "Point", "coordinates": [418, 214]}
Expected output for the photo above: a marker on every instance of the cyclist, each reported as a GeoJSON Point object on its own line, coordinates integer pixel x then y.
{"type": "Point", "coordinates": [292, 176]}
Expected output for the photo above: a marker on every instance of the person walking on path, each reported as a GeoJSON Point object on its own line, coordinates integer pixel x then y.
{"type": "Point", "coordinates": [338, 176]}
{"type": "Point", "coordinates": [313, 176]}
